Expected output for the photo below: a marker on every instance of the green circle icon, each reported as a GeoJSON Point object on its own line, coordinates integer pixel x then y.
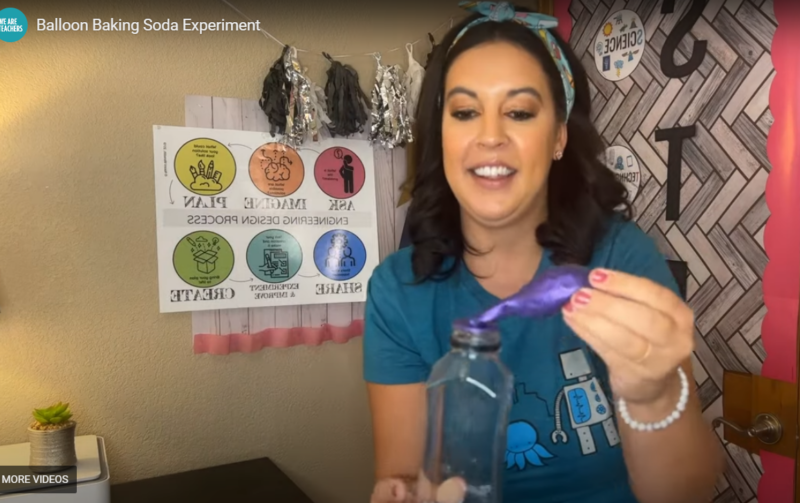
{"type": "Point", "coordinates": [203, 259]}
{"type": "Point", "coordinates": [274, 256]}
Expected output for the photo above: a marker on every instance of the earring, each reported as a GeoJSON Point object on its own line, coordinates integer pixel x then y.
{"type": "Point", "coordinates": [559, 155]}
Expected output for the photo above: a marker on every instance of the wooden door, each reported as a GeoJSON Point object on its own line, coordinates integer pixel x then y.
{"type": "Point", "coordinates": [760, 415]}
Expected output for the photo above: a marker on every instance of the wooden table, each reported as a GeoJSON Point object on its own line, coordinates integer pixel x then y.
{"type": "Point", "coordinates": [256, 480]}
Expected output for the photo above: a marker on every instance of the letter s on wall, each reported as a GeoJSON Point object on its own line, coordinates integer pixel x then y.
{"type": "Point", "coordinates": [682, 28]}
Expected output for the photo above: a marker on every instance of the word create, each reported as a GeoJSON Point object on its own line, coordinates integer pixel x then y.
{"type": "Point", "coordinates": [190, 294]}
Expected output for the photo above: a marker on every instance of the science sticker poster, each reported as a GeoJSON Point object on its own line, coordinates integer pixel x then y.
{"type": "Point", "coordinates": [244, 220]}
{"type": "Point", "coordinates": [619, 45]}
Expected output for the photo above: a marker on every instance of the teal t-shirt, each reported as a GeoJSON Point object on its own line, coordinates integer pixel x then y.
{"type": "Point", "coordinates": [563, 444]}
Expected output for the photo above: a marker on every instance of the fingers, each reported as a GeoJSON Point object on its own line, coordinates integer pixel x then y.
{"type": "Point", "coordinates": [641, 329]}
{"type": "Point", "coordinates": [618, 351]}
{"type": "Point", "coordinates": [605, 336]}
{"type": "Point", "coordinates": [633, 339]}
{"type": "Point", "coordinates": [452, 490]}
{"type": "Point", "coordinates": [390, 491]}
{"type": "Point", "coordinates": [637, 333]}
{"type": "Point", "coordinates": [400, 490]}
{"type": "Point", "coordinates": [621, 317]}
{"type": "Point", "coordinates": [643, 291]}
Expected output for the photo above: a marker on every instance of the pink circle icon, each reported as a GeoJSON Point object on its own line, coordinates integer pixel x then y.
{"type": "Point", "coordinates": [339, 172]}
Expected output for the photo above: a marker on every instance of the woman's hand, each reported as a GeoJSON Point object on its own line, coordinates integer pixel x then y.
{"type": "Point", "coordinates": [411, 490]}
{"type": "Point", "coordinates": [641, 330]}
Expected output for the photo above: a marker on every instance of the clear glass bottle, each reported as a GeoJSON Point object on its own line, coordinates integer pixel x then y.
{"type": "Point", "coordinates": [469, 397]}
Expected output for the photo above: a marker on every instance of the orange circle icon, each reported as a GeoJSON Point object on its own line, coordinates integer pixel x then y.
{"type": "Point", "coordinates": [276, 169]}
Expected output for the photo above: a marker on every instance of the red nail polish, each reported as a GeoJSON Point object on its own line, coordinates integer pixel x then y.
{"type": "Point", "coordinates": [599, 276]}
{"type": "Point", "coordinates": [582, 298]}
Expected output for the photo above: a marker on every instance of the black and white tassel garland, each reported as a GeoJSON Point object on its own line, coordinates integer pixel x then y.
{"type": "Point", "coordinates": [274, 99]}
{"type": "Point", "coordinates": [391, 122]}
{"type": "Point", "coordinates": [434, 48]}
{"type": "Point", "coordinates": [347, 104]}
{"type": "Point", "coordinates": [302, 116]}
{"type": "Point", "coordinates": [293, 104]}
{"type": "Point", "coordinates": [298, 109]}
{"type": "Point", "coordinates": [412, 82]}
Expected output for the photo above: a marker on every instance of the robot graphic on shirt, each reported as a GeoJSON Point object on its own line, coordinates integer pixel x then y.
{"type": "Point", "coordinates": [587, 404]}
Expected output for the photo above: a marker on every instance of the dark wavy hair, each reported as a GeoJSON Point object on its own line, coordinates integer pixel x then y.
{"type": "Point", "coordinates": [583, 194]}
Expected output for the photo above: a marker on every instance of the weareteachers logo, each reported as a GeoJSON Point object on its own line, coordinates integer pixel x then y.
{"type": "Point", "coordinates": [13, 24]}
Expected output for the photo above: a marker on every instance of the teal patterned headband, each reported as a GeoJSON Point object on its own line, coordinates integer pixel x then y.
{"type": "Point", "coordinates": [540, 24]}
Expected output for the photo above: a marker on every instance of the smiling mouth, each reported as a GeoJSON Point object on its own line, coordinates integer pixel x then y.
{"type": "Point", "coordinates": [493, 172]}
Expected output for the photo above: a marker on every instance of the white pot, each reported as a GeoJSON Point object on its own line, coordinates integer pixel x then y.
{"type": "Point", "coordinates": [52, 450]}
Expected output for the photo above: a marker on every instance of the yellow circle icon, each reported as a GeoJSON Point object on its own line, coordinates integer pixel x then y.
{"type": "Point", "coordinates": [205, 166]}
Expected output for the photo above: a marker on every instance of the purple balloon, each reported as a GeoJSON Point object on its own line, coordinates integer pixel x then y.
{"type": "Point", "coordinates": [544, 296]}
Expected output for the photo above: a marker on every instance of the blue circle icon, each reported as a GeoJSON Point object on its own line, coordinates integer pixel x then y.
{"type": "Point", "coordinates": [13, 24]}
{"type": "Point", "coordinates": [340, 255]}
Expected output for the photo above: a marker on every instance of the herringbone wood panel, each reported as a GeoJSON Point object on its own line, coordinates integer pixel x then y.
{"type": "Point", "coordinates": [720, 232]}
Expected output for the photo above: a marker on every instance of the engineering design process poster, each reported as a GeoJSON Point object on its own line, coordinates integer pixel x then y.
{"type": "Point", "coordinates": [244, 220]}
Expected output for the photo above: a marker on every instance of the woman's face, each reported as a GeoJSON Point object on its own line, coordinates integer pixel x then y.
{"type": "Point", "coordinates": [499, 134]}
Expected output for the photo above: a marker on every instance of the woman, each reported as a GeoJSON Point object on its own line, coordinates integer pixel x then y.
{"type": "Point", "coordinates": [509, 183]}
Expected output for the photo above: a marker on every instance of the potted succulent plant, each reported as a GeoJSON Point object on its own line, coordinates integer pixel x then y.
{"type": "Point", "coordinates": [52, 438]}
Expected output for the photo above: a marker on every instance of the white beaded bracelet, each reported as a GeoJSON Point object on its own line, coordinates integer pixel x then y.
{"type": "Point", "coordinates": [660, 425]}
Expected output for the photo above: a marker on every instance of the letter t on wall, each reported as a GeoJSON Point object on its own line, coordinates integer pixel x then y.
{"type": "Point", "coordinates": [675, 137]}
